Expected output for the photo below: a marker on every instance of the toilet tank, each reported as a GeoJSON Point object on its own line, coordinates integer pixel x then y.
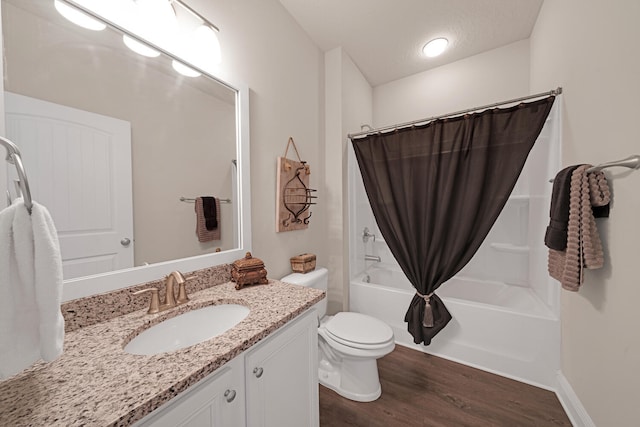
{"type": "Point", "coordinates": [317, 279]}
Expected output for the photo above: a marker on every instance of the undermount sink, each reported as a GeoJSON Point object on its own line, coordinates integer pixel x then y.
{"type": "Point", "coordinates": [187, 329]}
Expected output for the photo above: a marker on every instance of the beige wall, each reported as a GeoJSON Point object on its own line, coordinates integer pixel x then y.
{"type": "Point", "coordinates": [590, 48]}
{"type": "Point", "coordinates": [265, 48]}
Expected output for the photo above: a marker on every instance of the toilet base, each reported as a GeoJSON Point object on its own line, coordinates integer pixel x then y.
{"type": "Point", "coordinates": [355, 379]}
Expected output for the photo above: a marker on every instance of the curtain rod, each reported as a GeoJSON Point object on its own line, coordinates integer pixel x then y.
{"type": "Point", "coordinates": [552, 92]}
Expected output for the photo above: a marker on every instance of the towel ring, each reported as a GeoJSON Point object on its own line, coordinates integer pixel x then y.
{"type": "Point", "coordinates": [13, 157]}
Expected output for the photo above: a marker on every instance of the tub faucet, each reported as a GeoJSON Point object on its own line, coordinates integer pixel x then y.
{"type": "Point", "coordinates": [366, 235]}
{"type": "Point", "coordinates": [372, 258]}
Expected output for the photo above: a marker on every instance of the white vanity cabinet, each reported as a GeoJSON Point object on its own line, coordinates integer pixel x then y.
{"type": "Point", "coordinates": [281, 377]}
{"type": "Point", "coordinates": [216, 401]}
{"type": "Point", "coordinates": [274, 383]}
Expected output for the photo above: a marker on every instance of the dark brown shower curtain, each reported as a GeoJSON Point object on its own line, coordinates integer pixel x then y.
{"type": "Point", "coordinates": [436, 190]}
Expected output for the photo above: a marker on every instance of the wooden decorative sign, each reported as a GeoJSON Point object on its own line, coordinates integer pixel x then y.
{"type": "Point", "coordinates": [294, 197]}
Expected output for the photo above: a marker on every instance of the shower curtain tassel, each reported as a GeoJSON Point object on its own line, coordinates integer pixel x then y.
{"type": "Point", "coordinates": [427, 320]}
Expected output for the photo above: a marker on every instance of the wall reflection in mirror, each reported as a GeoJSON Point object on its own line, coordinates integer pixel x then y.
{"type": "Point", "coordinates": [112, 140]}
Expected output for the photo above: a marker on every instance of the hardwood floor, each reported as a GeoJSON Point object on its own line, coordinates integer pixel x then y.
{"type": "Point", "coordinates": [423, 390]}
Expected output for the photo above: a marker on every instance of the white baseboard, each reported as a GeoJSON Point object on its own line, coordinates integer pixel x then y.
{"type": "Point", "coordinates": [572, 406]}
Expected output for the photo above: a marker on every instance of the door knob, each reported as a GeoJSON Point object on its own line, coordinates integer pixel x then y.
{"type": "Point", "coordinates": [125, 242]}
{"type": "Point", "coordinates": [230, 395]}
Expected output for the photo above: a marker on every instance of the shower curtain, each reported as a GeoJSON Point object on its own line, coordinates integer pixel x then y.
{"type": "Point", "coordinates": [437, 189]}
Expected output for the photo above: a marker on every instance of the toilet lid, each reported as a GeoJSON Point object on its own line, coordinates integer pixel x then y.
{"type": "Point", "coordinates": [359, 328]}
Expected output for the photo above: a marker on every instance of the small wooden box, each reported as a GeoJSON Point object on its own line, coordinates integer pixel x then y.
{"type": "Point", "coordinates": [248, 271]}
{"type": "Point", "coordinates": [303, 263]}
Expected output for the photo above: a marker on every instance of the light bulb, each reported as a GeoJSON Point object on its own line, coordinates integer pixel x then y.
{"type": "Point", "coordinates": [200, 47]}
{"type": "Point", "coordinates": [206, 40]}
{"type": "Point", "coordinates": [435, 47]}
{"type": "Point", "coordinates": [184, 70]}
{"type": "Point", "coordinates": [139, 48]}
{"type": "Point", "coordinates": [78, 17]}
{"type": "Point", "coordinates": [157, 19]}
{"type": "Point", "coordinates": [154, 21]}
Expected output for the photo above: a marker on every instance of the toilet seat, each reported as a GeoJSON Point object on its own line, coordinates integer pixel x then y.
{"type": "Point", "coordinates": [358, 330]}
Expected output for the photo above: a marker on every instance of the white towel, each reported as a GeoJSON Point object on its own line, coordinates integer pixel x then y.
{"type": "Point", "coordinates": [31, 324]}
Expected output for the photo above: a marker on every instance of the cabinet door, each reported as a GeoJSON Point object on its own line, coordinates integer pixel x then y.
{"type": "Point", "coordinates": [216, 401]}
{"type": "Point", "coordinates": [282, 377]}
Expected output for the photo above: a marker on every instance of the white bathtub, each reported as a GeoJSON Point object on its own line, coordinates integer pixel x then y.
{"type": "Point", "coordinates": [496, 327]}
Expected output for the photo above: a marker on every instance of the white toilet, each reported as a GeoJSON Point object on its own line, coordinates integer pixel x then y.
{"type": "Point", "coordinates": [349, 345]}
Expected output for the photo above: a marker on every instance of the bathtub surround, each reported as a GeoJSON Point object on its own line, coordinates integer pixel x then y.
{"type": "Point", "coordinates": [496, 327]}
{"type": "Point", "coordinates": [437, 189]}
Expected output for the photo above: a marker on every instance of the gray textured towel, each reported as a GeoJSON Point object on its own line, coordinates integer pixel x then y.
{"type": "Point", "coordinates": [203, 234]}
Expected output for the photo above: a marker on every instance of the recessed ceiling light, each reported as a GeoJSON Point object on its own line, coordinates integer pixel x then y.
{"type": "Point", "coordinates": [435, 47]}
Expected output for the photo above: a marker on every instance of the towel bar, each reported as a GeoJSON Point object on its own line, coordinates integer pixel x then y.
{"type": "Point", "coordinates": [190, 200]}
{"type": "Point", "coordinates": [631, 162]}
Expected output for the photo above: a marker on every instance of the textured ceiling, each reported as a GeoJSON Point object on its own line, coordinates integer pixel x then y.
{"type": "Point", "coordinates": [385, 38]}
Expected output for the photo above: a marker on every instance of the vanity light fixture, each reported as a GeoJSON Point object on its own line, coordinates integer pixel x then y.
{"type": "Point", "coordinates": [77, 17]}
{"type": "Point", "coordinates": [157, 22]}
{"type": "Point", "coordinates": [201, 45]}
{"type": "Point", "coordinates": [435, 47]}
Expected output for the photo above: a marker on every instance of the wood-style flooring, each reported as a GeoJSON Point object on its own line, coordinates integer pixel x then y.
{"type": "Point", "coordinates": [423, 390]}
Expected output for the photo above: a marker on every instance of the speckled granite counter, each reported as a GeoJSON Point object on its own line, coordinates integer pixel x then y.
{"type": "Point", "coordinates": [95, 383]}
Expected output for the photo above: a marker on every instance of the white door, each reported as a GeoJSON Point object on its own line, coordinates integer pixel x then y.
{"type": "Point", "coordinates": [79, 167]}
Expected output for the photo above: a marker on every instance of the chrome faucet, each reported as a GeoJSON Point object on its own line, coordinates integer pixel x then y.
{"type": "Point", "coordinates": [372, 258]}
{"type": "Point", "coordinates": [366, 235]}
{"type": "Point", "coordinates": [170, 301]}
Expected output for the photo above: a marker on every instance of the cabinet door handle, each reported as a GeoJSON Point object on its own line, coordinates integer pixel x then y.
{"type": "Point", "coordinates": [230, 395]}
{"type": "Point", "coordinates": [257, 372]}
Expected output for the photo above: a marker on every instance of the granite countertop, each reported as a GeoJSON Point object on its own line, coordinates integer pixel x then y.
{"type": "Point", "coordinates": [95, 383]}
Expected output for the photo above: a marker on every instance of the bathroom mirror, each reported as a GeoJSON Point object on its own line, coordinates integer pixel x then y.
{"type": "Point", "coordinates": [118, 145]}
